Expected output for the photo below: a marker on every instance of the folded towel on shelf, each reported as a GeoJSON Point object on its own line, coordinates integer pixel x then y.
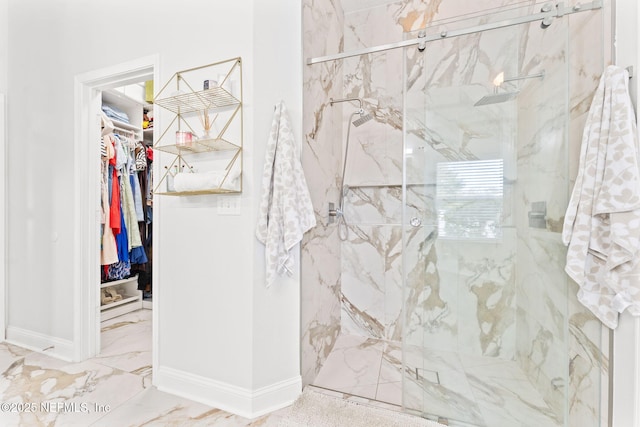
{"type": "Point", "coordinates": [602, 222]}
{"type": "Point", "coordinates": [204, 181]}
{"type": "Point", "coordinates": [286, 212]}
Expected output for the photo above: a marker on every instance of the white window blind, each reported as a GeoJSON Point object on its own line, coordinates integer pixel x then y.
{"type": "Point", "coordinates": [469, 199]}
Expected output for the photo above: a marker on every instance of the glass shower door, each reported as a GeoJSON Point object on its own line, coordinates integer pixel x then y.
{"type": "Point", "coordinates": [485, 187]}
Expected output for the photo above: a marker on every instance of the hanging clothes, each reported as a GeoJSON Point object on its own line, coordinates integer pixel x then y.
{"type": "Point", "coordinates": [602, 222]}
{"type": "Point", "coordinates": [286, 212]}
{"type": "Point", "coordinates": [122, 238]}
{"type": "Point", "coordinates": [109, 251]}
{"type": "Point", "coordinates": [136, 252]}
{"type": "Point", "coordinates": [121, 241]}
{"type": "Point", "coordinates": [143, 167]}
{"type": "Point", "coordinates": [139, 164]}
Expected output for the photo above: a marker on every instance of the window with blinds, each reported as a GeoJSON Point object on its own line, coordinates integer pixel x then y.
{"type": "Point", "coordinates": [469, 199]}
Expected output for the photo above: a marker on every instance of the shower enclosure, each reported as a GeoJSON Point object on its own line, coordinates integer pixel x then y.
{"type": "Point", "coordinates": [486, 185]}
{"type": "Point", "coordinates": [452, 301]}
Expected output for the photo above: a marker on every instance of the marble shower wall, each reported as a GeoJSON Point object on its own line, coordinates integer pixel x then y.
{"type": "Point", "coordinates": [589, 50]}
{"type": "Point", "coordinates": [481, 299]}
{"type": "Point", "coordinates": [321, 158]}
{"type": "Point", "coordinates": [543, 178]}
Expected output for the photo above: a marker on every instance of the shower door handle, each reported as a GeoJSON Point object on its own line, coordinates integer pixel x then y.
{"type": "Point", "coordinates": [415, 222]}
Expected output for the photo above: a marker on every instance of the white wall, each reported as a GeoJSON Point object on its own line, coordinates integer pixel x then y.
{"type": "Point", "coordinates": [626, 338]}
{"type": "Point", "coordinates": [4, 44]}
{"type": "Point", "coordinates": [626, 40]}
{"type": "Point", "coordinates": [277, 76]}
{"type": "Point", "coordinates": [217, 324]}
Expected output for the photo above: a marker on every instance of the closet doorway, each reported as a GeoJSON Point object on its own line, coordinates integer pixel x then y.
{"type": "Point", "coordinates": [90, 89]}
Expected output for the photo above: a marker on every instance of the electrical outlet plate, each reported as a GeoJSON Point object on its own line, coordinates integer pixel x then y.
{"type": "Point", "coordinates": [229, 205]}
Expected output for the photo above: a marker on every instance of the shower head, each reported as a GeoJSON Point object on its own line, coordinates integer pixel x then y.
{"type": "Point", "coordinates": [496, 98]}
{"type": "Point", "coordinates": [364, 118]}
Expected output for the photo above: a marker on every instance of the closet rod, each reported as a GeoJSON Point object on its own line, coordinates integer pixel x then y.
{"type": "Point", "coordinates": [127, 131]}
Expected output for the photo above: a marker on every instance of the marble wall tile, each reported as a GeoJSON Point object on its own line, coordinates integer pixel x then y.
{"type": "Point", "coordinates": [363, 282]}
{"type": "Point", "coordinates": [374, 205]}
{"type": "Point", "coordinates": [326, 18]}
{"type": "Point", "coordinates": [429, 304]}
{"type": "Point", "coordinates": [487, 297]}
{"type": "Point", "coordinates": [588, 366]}
{"type": "Point", "coordinates": [493, 387]}
{"type": "Point", "coordinates": [353, 366]}
{"type": "Point", "coordinates": [440, 386]}
{"type": "Point", "coordinates": [460, 296]}
{"type": "Point", "coordinates": [321, 157]}
{"type": "Point", "coordinates": [546, 317]}
{"type": "Point", "coordinates": [371, 285]}
{"type": "Point", "coordinates": [320, 302]}
{"type": "Point", "coordinates": [542, 178]}
{"type": "Point", "coordinates": [394, 284]}
{"type": "Point", "coordinates": [588, 339]}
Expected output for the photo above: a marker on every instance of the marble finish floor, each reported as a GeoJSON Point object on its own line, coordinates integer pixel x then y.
{"type": "Point", "coordinates": [468, 391]}
{"type": "Point", "coordinates": [114, 388]}
{"type": "Point", "coordinates": [111, 389]}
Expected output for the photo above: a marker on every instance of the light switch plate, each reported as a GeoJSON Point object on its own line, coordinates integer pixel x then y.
{"type": "Point", "coordinates": [229, 205]}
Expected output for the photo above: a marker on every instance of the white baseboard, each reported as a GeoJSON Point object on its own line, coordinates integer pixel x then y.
{"type": "Point", "coordinates": [52, 346]}
{"type": "Point", "coordinates": [230, 398]}
{"type": "Point", "coordinates": [276, 396]}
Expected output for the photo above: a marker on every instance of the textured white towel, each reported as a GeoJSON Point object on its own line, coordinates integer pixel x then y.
{"type": "Point", "coordinates": [212, 180]}
{"type": "Point", "coordinates": [602, 223]}
{"type": "Point", "coordinates": [286, 212]}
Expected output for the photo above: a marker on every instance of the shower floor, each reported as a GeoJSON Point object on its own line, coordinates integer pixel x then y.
{"type": "Point", "coordinates": [466, 390]}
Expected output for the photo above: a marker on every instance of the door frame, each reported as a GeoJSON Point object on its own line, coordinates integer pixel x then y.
{"type": "Point", "coordinates": [88, 88]}
{"type": "Point", "coordinates": [3, 220]}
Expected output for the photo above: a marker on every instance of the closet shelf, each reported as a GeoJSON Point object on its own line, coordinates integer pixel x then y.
{"type": "Point", "coordinates": [210, 99]}
{"type": "Point", "coordinates": [131, 298]}
{"type": "Point", "coordinates": [200, 146]}
{"type": "Point", "coordinates": [125, 299]}
{"type": "Point", "coordinates": [124, 125]}
{"type": "Point", "coordinates": [119, 282]}
{"type": "Point", "coordinates": [200, 192]}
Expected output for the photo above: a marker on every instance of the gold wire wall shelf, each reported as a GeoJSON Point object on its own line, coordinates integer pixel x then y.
{"type": "Point", "coordinates": [207, 128]}
{"type": "Point", "coordinates": [197, 101]}
{"type": "Point", "coordinates": [200, 146]}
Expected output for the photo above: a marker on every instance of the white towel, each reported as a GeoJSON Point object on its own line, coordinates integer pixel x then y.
{"type": "Point", "coordinates": [602, 223]}
{"type": "Point", "coordinates": [286, 212]}
{"type": "Point", "coordinates": [203, 181]}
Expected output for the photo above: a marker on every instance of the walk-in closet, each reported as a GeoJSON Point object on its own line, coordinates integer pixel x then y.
{"type": "Point", "coordinates": [126, 151]}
